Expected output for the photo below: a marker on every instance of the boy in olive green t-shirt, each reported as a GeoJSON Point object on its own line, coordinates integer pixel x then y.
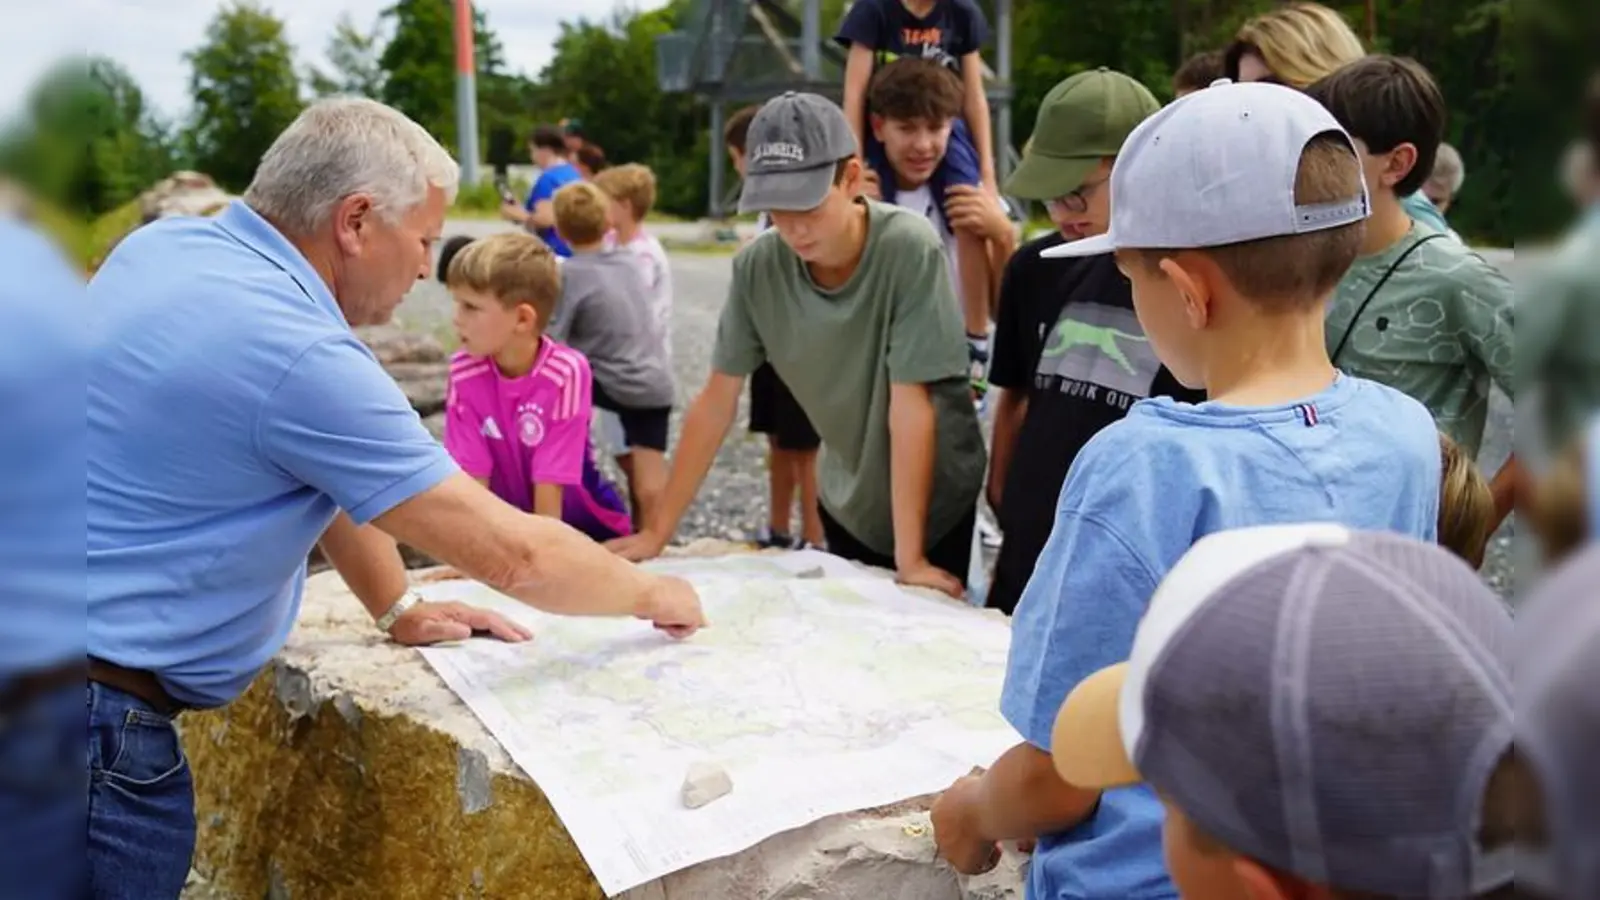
{"type": "Point", "coordinates": [851, 303]}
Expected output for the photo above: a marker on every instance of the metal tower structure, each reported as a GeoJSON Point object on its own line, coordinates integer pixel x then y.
{"type": "Point", "coordinates": [747, 51]}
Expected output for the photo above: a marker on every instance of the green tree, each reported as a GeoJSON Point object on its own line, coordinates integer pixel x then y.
{"type": "Point", "coordinates": [354, 55]}
{"type": "Point", "coordinates": [245, 92]}
{"type": "Point", "coordinates": [419, 64]}
{"type": "Point", "coordinates": [87, 142]}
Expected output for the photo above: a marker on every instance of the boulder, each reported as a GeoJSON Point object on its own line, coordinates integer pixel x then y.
{"type": "Point", "coordinates": [392, 345]}
{"type": "Point", "coordinates": [424, 384]}
{"type": "Point", "coordinates": [182, 194]}
{"type": "Point", "coordinates": [350, 771]}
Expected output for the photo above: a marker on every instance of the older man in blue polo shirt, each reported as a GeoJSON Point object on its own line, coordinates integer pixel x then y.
{"type": "Point", "coordinates": [235, 421]}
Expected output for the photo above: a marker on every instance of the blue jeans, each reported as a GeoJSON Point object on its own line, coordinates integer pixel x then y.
{"type": "Point", "coordinates": [141, 801]}
{"type": "Point", "coordinates": [41, 799]}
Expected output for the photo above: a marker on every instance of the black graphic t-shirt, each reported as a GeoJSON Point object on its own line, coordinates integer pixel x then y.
{"type": "Point", "coordinates": [1067, 337]}
{"type": "Point", "coordinates": [951, 30]}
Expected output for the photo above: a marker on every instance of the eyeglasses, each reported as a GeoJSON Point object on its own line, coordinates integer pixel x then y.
{"type": "Point", "coordinates": [1076, 202]}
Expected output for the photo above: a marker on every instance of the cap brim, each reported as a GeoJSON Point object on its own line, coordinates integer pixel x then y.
{"type": "Point", "coordinates": [786, 191]}
{"type": "Point", "coordinates": [1041, 177]}
{"type": "Point", "coordinates": [1089, 246]}
{"type": "Point", "coordinates": [1086, 743]}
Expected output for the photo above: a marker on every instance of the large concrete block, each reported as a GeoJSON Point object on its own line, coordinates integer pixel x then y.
{"type": "Point", "coordinates": [349, 770]}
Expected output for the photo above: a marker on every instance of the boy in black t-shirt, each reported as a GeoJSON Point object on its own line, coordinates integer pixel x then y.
{"type": "Point", "coordinates": [1070, 356]}
{"type": "Point", "coordinates": [951, 33]}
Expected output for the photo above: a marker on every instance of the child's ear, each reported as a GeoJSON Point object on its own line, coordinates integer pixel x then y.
{"type": "Point", "coordinates": [876, 121]}
{"type": "Point", "coordinates": [1401, 160]}
{"type": "Point", "coordinates": [527, 317]}
{"type": "Point", "coordinates": [1194, 287]}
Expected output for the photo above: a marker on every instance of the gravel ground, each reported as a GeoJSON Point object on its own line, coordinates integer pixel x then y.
{"type": "Point", "coordinates": [732, 503]}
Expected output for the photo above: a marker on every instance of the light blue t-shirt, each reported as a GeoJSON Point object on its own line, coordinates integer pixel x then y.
{"type": "Point", "coordinates": [232, 413]}
{"type": "Point", "coordinates": [1137, 497]}
{"type": "Point", "coordinates": [1421, 209]}
{"type": "Point", "coordinates": [544, 188]}
{"type": "Point", "coordinates": [43, 354]}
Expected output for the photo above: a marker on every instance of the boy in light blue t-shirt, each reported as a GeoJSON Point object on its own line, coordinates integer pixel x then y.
{"type": "Point", "coordinates": [1236, 211]}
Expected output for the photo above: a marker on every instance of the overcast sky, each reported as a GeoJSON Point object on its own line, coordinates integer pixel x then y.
{"type": "Point", "coordinates": [149, 37]}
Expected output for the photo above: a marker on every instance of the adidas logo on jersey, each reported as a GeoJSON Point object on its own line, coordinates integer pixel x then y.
{"type": "Point", "coordinates": [491, 430]}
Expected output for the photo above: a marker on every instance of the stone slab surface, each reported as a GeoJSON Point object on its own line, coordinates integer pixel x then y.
{"type": "Point", "coordinates": [349, 770]}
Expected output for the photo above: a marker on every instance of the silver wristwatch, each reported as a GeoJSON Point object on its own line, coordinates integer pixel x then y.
{"type": "Point", "coordinates": [407, 601]}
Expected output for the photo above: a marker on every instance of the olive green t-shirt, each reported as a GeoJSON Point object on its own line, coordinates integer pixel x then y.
{"type": "Point", "coordinates": [1558, 349]}
{"type": "Point", "coordinates": [1439, 330]}
{"type": "Point", "coordinates": [895, 321]}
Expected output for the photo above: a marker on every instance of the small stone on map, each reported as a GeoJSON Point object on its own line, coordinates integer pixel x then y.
{"type": "Point", "coordinates": [704, 783]}
{"type": "Point", "coordinates": [816, 572]}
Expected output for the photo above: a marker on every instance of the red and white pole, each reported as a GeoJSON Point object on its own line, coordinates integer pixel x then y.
{"type": "Point", "coordinates": [466, 94]}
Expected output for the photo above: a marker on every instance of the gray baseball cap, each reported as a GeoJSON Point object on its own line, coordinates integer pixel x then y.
{"type": "Point", "coordinates": [1218, 167]}
{"type": "Point", "coordinates": [1558, 724]}
{"type": "Point", "coordinates": [1327, 702]}
{"type": "Point", "coordinates": [795, 142]}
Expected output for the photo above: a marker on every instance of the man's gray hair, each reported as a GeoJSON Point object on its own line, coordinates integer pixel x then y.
{"type": "Point", "coordinates": [1448, 171]}
{"type": "Point", "coordinates": [348, 145]}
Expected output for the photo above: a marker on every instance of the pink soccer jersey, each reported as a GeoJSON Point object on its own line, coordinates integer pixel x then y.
{"type": "Point", "coordinates": [519, 432]}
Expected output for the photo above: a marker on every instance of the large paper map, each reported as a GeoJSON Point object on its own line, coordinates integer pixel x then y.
{"type": "Point", "coordinates": [820, 690]}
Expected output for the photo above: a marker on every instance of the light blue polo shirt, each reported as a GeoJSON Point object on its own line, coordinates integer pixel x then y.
{"type": "Point", "coordinates": [42, 360]}
{"type": "Point", "coordinates": [1137, 497]}
{"type": "Point", "coordinates": [232, 412]}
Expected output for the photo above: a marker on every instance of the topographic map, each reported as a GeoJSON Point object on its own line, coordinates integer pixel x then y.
{"type": "Point", "coordinates": [818, 688]}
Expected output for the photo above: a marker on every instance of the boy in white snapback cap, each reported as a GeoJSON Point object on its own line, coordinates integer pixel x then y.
{"type": "Point", "coordinates": [1234, 212]}
{"type": "Point", "coordinates": [1324, 713]}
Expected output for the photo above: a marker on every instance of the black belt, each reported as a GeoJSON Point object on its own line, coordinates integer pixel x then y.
{"type": "Point", "coordinates": [137, 682]}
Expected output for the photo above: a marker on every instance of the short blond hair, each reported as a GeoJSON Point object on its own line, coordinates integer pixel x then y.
{"type": "Point", "coordinates": [512, 267]}
{"type": "Point", "coordinates": [1559, 515]}
{"type": "Point", "coordinates": [1301, 43]}
{"type": "Point", "coordinates": [581, 211]}
{"type": "Point", "coordinates": [1295, 271]}
{"type": "Point", "coordinates": [1466, 505]}
{"type": "Point", "coordinates": [631, 184]}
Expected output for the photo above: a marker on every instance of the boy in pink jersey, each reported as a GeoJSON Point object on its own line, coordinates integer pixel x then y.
{"type": "Point", "coordinates": [518, 405]}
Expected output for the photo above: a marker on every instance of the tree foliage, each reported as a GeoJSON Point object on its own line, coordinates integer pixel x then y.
{"type": "Point", "coordinates": [245, 92]}
{"type": "Point", "coordinates": [354, 55]}
{"type": "Point", "coordinates": [419, 65]}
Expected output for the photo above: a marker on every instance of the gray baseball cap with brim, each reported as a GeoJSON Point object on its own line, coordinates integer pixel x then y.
{"type": "Point", "coordinates": [795, 143]}
{"type": "Point", "coordinates": [1082, 121]}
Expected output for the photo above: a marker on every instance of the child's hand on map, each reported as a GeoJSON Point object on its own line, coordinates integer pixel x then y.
{"type": "Point", "coordinates": [637, 547]}
{"type": "Point", "coordinates": [956, 832]}
{"type": "Point", "coordinates": [927, 575]}
{"type": "Point", "coordinates": [674, 606]}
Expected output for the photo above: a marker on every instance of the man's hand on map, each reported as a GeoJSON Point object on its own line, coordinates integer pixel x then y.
{"type": "Point", "coordinates": [434, 576]}
{"type": "Point", "coordinates": [955, 829]}
{"type": "Point", "coordinates": [637, 547]}
{"type": "Point", "coordinates": [674, 606]}
{"type": "Point", "coordinates": [927, 575]}
{"type": "Point", "coordinates": [430, 623]}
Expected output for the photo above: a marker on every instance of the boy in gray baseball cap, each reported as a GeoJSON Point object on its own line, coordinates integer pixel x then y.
{"type": "Point", "coordinates": [851, 303]}
{"type": "Point", "coordinates": [1234, 212]}
{"type": "Point", "coordinates": [1324, 713]}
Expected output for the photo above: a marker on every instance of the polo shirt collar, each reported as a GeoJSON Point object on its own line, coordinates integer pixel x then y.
{"type": "Point", "coordinates": [249, 228]}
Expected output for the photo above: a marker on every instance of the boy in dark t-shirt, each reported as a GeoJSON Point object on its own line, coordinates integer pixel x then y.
{"type": "Point", "coordinates": [1070, 357]}
{"type": "Point", "coordinates": [951, 33]}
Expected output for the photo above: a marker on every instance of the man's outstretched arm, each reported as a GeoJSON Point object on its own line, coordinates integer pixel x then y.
{"type": "Point", "coordinates": [705, 427]}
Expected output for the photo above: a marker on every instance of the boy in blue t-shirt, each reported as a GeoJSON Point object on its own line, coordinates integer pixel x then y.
{"type": "Point", "coordinates": [548, 148]}
{"type": "Point", "coordinates": [1237, 210]}
{"type": "Point", "coordinates": [950, 33]}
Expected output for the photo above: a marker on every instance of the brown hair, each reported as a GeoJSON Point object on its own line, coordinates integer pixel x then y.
{"type": "Point", "coordinates": [1299, 42]}
{"type": "Point", "coordinates": [511, 266]}
{"type": "Point", "coordinates": [591, 157]}
{"type": "Point", "coordinates": [1295, 271]}
{"type": "Point", "coordinates": [1558, 515]}
{"type": "Point", "coordinates": [737, 132]}
{"type": "Point", "coordinates": [1387, 101]}
{"type": "Point", "coordinates": [632, 184]}
{"type": "Point", "coordinates": [1198, 72]}
{"type": "Point", "coordinates": [1466, 505]}
{"type": "Point", "coordinates": [911, 89]}
{"type": "Point", "coordinates": [580, 210]}
{"type": "Point", "coordinates": [549, 137]}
